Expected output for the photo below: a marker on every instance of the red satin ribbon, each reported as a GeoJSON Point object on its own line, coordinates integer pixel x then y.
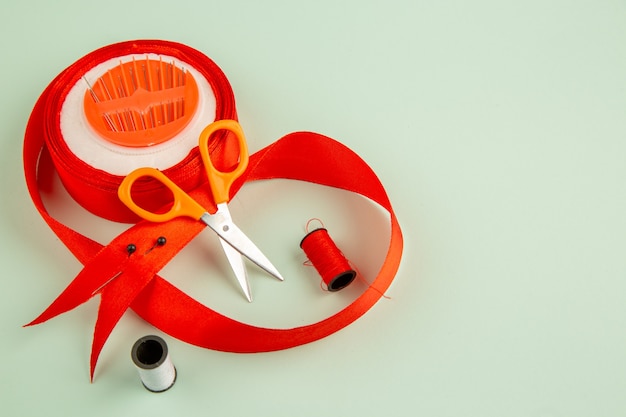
{"type": "Point", "coordinates": [124, 280]}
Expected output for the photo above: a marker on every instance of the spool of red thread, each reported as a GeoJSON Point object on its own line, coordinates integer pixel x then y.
{"type": "Point", "coordinates": [327, 259]}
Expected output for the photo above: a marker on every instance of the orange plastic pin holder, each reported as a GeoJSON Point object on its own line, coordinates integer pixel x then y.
{"type": "Point", "coordinates": [141, 102]}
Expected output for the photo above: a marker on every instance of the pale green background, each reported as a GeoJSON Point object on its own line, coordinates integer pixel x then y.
{"type": "Point", "coordinates": [499, 131]}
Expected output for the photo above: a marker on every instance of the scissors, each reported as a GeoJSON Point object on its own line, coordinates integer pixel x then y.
{"type": "Point", "coordinates": [234, 242]}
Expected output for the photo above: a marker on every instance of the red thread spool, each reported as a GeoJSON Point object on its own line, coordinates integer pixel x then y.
{"type": "Point", "coordinates": [327, 259]}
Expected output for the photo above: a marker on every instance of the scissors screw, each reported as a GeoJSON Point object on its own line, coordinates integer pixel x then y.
{"type": "Point", "coordinates": [131, 248]}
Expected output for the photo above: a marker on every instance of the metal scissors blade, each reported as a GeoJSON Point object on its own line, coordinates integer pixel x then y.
{"type": "Point", "coordinates": [236, 263]}
{"type": "Point", "coordinates": [221, 223]}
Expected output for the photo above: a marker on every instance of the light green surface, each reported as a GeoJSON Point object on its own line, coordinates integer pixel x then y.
{"type": "Point", "coordinates": [499, 131]}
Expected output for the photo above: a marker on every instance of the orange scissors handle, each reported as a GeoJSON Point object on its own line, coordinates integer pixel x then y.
{"type": "Point", "coordinates": [183, 204]}
{"type": "Point", "coordinates": [221, 181]}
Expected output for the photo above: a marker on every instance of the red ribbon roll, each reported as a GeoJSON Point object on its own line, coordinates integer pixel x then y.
{"type": "Point", "coordinates": [299, 156]}
{"type": "Point", "coordinates": [95, 189]}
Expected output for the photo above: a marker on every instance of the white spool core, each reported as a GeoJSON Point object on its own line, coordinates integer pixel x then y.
{"type": "Point", "coordinates": [152, 360]}
{"type": "Point", "coordinates": [84, 142]}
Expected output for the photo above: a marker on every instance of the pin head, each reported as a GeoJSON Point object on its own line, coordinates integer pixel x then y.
{"type": "Point", "coordinates": [131, 248]}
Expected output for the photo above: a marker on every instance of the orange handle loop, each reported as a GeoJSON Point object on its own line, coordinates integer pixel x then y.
{"type": "Point", "coordinates": [221, 181]}
{"type": "Point", "coordinates": [183, 204]}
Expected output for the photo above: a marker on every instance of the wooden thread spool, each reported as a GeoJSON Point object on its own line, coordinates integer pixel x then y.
{"type": "Point", "coordinates": [327, 259]}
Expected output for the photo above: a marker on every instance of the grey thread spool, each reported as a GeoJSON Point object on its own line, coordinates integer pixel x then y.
{"type": "Point", "coordinates": [151, 357]}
